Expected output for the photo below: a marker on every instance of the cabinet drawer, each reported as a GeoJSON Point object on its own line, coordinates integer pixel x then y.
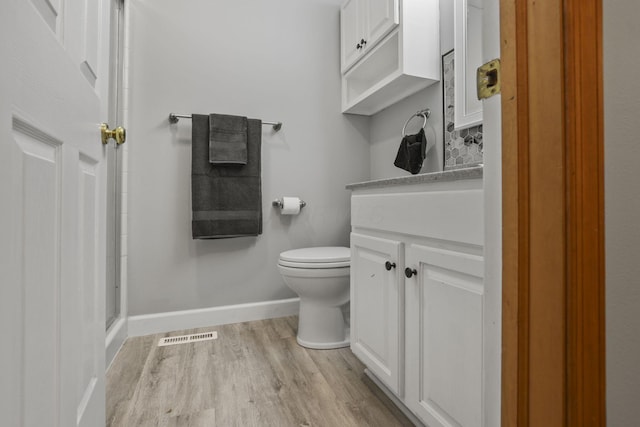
{"type": "Point", "coordinates": [445, 215]}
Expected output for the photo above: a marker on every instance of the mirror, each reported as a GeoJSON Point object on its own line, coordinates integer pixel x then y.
{"type": "Point", "coordinates": [467, 58]}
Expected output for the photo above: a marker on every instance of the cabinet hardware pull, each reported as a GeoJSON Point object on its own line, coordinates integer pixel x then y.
{"type": "Point", "coordinates": [388, 265]}
{"type": "Point", "coordinates": [410, 272]}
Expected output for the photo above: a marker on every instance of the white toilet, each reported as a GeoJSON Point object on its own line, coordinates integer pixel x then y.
{"type": "Point", "coordinates": [320, 277]}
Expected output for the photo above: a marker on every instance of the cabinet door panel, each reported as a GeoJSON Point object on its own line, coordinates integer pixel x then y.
{"type": "Point", "coordinates": [467, 58]}
{"type": "Point", "coordinates": [444, 336]}
{"type": "Point", "coordinates": [376, 307]}
{"type": "Point", "coordinates": [351, 31]}
{"type": "Point", "coordinates": [382, 16]}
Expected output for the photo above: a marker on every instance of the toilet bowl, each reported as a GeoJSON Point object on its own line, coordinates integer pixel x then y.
{"type": "Point", "coordinates": [320, 277]}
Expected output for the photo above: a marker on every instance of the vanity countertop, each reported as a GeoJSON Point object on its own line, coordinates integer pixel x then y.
{"type": "Point", "coordinates": [449, 175]}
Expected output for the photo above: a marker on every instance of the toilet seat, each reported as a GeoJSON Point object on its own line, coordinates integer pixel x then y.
{"type": "Point", "coordinates": [316, 258]}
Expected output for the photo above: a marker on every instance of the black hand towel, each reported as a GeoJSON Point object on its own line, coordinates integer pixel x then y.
{"type": "Point", "coordinates": [226, 199]}
{"type": "Point", "coordinates": [412, 152]}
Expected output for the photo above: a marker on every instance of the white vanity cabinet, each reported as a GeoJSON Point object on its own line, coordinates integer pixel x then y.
{"type": "Point", "coordinates": [390, 49]}
{"type": "Point", "coordinates": [377, 306]}
{"type": "Point", "coordinates": [363, 23]}
{"type": "Point", "coordinates": [444, 336]}
{"type": "Point", "coordinates": [418, 326]}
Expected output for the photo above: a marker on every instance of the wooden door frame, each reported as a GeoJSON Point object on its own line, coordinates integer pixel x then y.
{"type": "Point", "coordinates": [553, 338]}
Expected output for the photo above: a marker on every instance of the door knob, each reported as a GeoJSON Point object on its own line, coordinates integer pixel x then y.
{"type": "Point", "coordinates": [410, 272]}
{"type": "Point", "coordinates": [119, 134]}
{"type": "Point", "coordinates": [389, 265]}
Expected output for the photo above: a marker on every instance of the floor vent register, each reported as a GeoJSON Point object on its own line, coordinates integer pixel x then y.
{"type": "Point", "coordinates": [186, 339]}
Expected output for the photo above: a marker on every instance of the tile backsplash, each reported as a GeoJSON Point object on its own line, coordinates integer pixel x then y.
{"type": "Point", "coordinates": [462, 147]}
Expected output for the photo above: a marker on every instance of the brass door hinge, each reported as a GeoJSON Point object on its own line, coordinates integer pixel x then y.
{"type": "Point", "coordinates": [488, 78]}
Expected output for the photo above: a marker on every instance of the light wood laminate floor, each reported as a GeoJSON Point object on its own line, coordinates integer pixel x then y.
{"type": "Point", "coordinates": [254, 374]}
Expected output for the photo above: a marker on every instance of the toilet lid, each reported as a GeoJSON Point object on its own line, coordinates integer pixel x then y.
{"type": "Point", "coordinates": [320, 257]}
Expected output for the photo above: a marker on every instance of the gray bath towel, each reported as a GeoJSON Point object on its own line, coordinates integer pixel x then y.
{"type": "Point", "coordinates": [227, 139]}
{"type": "Point", "coordinates": [226, 199]}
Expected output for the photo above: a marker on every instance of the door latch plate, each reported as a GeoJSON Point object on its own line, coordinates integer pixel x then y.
{"type": "Point", "coordinates": [488, 79]}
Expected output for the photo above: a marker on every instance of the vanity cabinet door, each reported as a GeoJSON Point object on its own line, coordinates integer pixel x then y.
{"type": "Point", "coordinates": [444, 304]}
{"type": "Point", "coordinates": [377, 312]}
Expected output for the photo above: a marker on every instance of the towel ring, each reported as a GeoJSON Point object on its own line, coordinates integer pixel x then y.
{"type": "Point", "coordinates": [425, 114]}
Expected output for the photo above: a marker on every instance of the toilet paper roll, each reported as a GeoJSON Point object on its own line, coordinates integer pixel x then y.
{"type": "Point", "coordinates": [290, 206]}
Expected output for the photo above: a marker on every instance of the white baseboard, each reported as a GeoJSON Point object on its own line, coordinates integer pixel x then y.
{"type": "Point", "coordinates": [116, 335]}
{"type": "Point", "coordinates": [148, 324]}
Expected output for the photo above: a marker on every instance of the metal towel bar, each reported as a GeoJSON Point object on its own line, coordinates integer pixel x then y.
{"type": "Point", "coordinates": [174, 118]}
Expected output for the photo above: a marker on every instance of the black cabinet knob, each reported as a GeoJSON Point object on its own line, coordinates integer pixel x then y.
{"type": "Point", "coordinates": [363, 42]}
{"type": "Point", "coordinates": [410, 272]}
{"type": "Point", "coordinates": [388, 265]}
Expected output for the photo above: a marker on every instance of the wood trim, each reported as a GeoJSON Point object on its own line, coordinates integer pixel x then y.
{"type": "Point", "coordinates": [585, 214]}
{"type": "Point", "coordinates": [514, 214]}
{"type": "Point", "coordinates": [553, 199]}
{"type": "Point", "coordinates": [546, 225]}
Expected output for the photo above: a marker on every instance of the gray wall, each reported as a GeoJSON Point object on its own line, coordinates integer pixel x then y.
{"type": "Point", "coordinates": [275, 60]}
{"type": "Point", "coordinates": [199, 58]}
{"type": "Point", "coordinates": [386, 126]}
{"type": "Point", "coordinates": [622, 209]}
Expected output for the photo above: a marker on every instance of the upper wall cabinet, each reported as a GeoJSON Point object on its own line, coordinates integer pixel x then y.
{"type": "Point", "coordinates": [363, 24]}
{"type": "Point", "coordinates": [390, 49]}
{"type": "Point", "coordinates": [467, 58]}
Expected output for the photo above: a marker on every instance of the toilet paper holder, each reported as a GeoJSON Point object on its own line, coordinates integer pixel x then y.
{"type": "Point", "coordinates": [279, 203]}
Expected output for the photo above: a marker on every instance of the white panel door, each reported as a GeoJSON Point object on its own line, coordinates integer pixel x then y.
{"type": "Point", "coordinates": [492, 180]}
{"type": "Point", "coordinates": [52, 222]}
{"type": "Point", "coordinates": [377, 307]}
{"type": "Point", "coordinates": [444, 303]}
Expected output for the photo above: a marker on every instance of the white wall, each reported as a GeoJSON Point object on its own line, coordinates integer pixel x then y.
{"type": "Point", "coordinates": [275, 60]}
{"type": "Point", "coordinates": [622, 210]}
{"type": "Point", "coordinates": [386, 126]}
